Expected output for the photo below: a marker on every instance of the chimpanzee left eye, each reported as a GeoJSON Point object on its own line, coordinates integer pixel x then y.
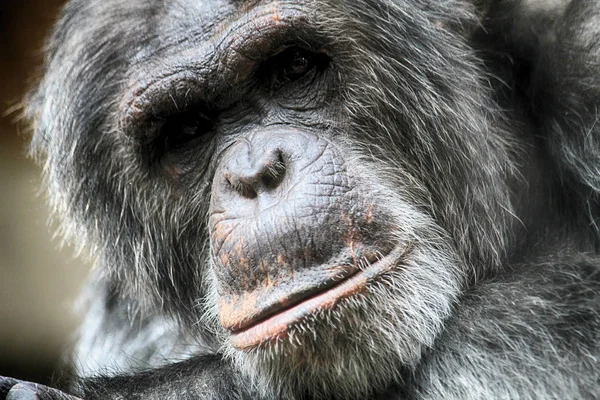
{"type": "Point", "coordinates": [294, 63]}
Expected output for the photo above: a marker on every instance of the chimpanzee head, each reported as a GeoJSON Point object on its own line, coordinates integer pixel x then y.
{"type": "Point", "coordinates": [311, 180]}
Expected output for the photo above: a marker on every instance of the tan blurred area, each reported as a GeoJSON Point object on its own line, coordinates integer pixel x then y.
{"type": "Point", "coordinates": [38, 280]}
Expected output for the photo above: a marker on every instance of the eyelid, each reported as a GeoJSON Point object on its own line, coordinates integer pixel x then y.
{"type": "Point", "coordinates": [275, 73]}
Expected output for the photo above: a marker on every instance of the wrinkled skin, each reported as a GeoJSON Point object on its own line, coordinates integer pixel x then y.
{"type": "Point", "coordinates": [328, 199]}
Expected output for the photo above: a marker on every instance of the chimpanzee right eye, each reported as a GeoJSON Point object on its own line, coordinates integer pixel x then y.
{"type": "Point", "coordinates": [180, 129]}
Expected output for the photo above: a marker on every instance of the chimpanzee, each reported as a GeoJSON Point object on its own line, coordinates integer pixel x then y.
{"type": "Point", "coordinates": [328, 199]}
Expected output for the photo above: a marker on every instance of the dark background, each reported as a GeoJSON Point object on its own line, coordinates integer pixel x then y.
{"type": "Point", "coordinates": [39, 280]}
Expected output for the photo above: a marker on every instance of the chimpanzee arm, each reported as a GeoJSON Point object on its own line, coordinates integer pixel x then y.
{"type": "Point", "coordinates": [206, 377]}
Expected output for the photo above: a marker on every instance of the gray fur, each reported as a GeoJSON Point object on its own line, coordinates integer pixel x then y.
{"type": "Point", "coordinates": [472, 124]}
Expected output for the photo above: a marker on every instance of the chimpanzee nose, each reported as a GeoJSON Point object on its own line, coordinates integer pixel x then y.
{"type": "Point", "coordinates": [255, 168]}
{"type": "Point", "coordinates": [277, 169]}
{"type": "Point", "coordinates": [261, 169]}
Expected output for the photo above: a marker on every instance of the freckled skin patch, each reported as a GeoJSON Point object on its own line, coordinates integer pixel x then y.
{"type": "Point", "coordinates": [276, 327]}
{"type": "Point", "coordinates": [237, 311]}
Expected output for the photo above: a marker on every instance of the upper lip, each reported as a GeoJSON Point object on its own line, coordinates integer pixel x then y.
{"type": "Point", "coordinates": [236, 316]}
{"type": "Point", "coordinates": [273, 321]}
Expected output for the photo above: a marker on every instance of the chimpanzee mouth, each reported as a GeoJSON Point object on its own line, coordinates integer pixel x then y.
{"type": "Point", "coordinates": [271, 326]}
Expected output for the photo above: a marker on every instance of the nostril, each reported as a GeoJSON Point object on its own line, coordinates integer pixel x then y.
{"type": "Point", "coordinates": [247, 191]}
{"type": "Point", "coordinates": [251, 174]}
{"type": "Point", "coordinates": [274, 172]}
{"type": "Point", "coordinates": [238, 185]}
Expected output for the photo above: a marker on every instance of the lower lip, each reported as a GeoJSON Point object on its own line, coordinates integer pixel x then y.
{"type": "Point", "coordinates": [277, 326]}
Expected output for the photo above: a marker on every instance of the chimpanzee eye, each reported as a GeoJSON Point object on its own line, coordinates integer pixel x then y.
{"type": "Point", "coordinates": [181, 128]}
{"type": "Point", "coordinates": [294, 63]}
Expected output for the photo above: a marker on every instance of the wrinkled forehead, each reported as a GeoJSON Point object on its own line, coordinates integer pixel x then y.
{"type": "Point", "coordinates": [207, 18]}
{"type": "Point", "coordinates": [199, 34]}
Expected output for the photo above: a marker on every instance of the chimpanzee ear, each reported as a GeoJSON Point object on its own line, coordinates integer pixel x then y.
{"type": "Point", "coordinates": [558, 40]}
{"type": "Point", "coordinates": [525, 25]}
{"type": "Point", "coordinates": [566, 92]}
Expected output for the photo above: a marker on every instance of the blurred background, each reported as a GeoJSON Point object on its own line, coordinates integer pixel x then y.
{"type": "Point", "coordinates": [39, 281]}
